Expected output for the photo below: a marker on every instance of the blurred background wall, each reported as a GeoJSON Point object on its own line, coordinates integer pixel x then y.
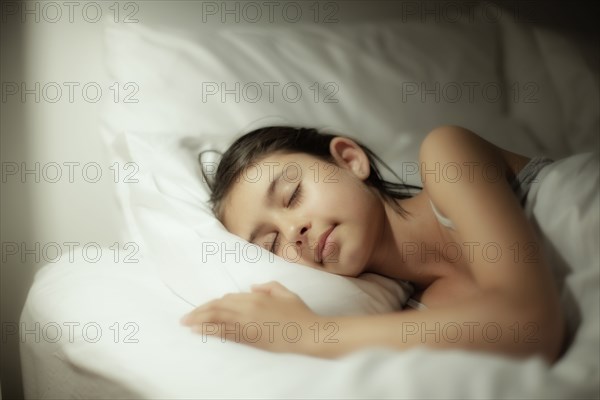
{"type": "Point", "coordinates": [41, 138]}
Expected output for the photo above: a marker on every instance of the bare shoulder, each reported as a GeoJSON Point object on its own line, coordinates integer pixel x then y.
{"type": "Point", "coordinates": [466, 177]}
{"type": "Point", "coordinates": [445, 138]}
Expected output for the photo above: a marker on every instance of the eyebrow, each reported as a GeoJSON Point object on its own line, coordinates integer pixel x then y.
{"type": "Point", "coordinates": [269, 197]}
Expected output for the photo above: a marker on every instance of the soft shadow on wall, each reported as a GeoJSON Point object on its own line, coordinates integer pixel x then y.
{"type": "Point", "coordinates": [15, 208]}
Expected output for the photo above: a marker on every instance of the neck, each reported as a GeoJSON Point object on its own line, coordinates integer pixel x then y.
{"type": "Point", "coordinates": [410, 249]}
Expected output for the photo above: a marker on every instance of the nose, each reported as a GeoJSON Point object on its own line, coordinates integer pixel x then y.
{"type": "Point", "coordinates": [297, 232]}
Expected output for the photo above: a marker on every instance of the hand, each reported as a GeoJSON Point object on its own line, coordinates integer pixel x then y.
{"type": "Point", "coordinates": [270, 317]}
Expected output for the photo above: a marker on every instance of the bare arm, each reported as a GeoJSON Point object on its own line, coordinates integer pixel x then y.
{"type": "Point", "coordinates": [486, 323]}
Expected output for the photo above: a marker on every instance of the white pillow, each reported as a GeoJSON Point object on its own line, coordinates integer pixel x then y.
{"type": "Point", "coordinates": [362, 71]}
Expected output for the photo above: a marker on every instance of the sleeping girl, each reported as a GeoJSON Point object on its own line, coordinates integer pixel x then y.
{"type": "Point", "coordinates": [463, 241]}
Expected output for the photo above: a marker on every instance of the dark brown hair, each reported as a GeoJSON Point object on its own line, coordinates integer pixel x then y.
{"type": "Point", "coordinates": [259, 143]}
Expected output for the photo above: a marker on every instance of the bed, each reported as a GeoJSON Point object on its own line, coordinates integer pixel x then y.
{"type": "Point", "coordinates": [106, 322]}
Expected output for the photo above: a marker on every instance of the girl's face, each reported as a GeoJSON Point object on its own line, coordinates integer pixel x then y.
{"type": "Point", "coordinates": [309, 211]}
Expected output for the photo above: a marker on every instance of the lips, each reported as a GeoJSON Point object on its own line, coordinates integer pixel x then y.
{"type": "Point", "coordinates": [322, 241]}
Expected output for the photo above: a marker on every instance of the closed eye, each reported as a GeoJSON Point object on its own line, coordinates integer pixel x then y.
{"type": "Point", "coordinates": [272, 249]}
{"type": "Point", "coordinates": [294, 201]}
{"type": "Point", "coordinates": [296, 196]}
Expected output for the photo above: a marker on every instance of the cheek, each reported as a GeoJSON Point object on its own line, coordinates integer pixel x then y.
{"type": "Point", "coordinates": [352, 199]}
{"type": "Point", "coordinates": [360, 199]}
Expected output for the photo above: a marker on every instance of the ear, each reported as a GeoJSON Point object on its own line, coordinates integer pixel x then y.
{"type": "Point", "coordinates": [349, 155]}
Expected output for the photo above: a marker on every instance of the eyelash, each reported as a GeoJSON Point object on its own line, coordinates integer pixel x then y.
{"type": "Point", "coordinates": [296, 196]}
{"type": "Point", "coordinates": [294, 201]}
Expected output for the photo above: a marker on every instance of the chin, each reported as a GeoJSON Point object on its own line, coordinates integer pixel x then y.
{"type": "Point", "coordinates": [344, 269]}
{"type": "Point", "coordinates": [353, 264]}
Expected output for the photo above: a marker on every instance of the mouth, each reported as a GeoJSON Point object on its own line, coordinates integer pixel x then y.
{"type": "Point", "coordinates": [322, 242]}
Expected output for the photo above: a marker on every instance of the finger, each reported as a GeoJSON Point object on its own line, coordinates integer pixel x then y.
{"type": "Point", "coordinates": [260, 288]}
{"type": "Point", "coordinates": [229, 300]}
{"type": "Point", "coordinates": [186, 319]}
{"type": "Point", "coordinates": [273, 288]}
{"type": "Point", "coordinates": [212, 316]}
